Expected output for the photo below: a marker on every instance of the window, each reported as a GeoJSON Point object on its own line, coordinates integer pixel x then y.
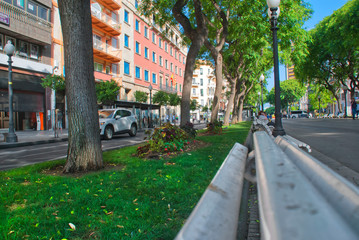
{"type": "Point", "coordinates": [126, 41]}
{"type": "Point", "coordinates": [153, 37]}
{"type": "Point", "coordinates": [201, 71]}
{"type": "Point", "coordinates": [180, 87]}
{"type": "Point", "coordinates": [161, 79]}
{"type": "Point", "coordinates": [146, 52]}
{"type": "Point", "coordinates": [176, 55]}
{"type": "Point", "coordinates": [114, 69]}
{"type": "Point", "coordinates": [114, 18]}
{"type": "Point", "coordinates": [114, 42]}
{"type": "Point", "coordinates": [107, 69]}
{"type": "Point", "coordinates": [154, 78]}
{"type": "Point", "coordinates": [19, 3]}
{"type": "Point", "coordinates": [171, 67]}
{"type": "Point", "coordinates": [201, 81]}
{"type": "Point", "coordinates": [43, 12]}
{"type": "Point", "coordinates": [126, 66]}
{"type": "Point", "coordinates": [201, 93]}
{"type": "Point", "coordinates": [138, 72]}
{"type": "Point", "coordinates": [160, 60]}
{"type": "Point", "coordinates": [137, 25]}
{"type": "Point", "coordinates": [166, 64]}
{"type": "Point", "coordinates": [136, 4]}
{"type": "Point", "coordinates": [194, 91]}
{"type": "Point", "coordinates": [209, 71]}
{"type": "Point", "coordinates": [146, 75]}
{"type": "Point", "coordinates": [154, 57]}
{"type": "Point", "coordinates": [138, 48]}
{"type": "Point", "coordinates": [171, 51]}
{"type": "Point", "coordinates": [160, 42]}
{"type": "Point", "coordinates": [146, 31]}
{"type": "Point", "coordinates": [1, 42]}
{"type": "Point", "coordinates": [179, 57]}
{"type": "Point", "coordinates": [166, 47]}
{"type": "Point", "coordinates": [125, 16]}
{"type": "Point", "coordinates": [180, 72]}
{"type": "Point", "coordinates": [34, 51]}
{"type": "Point", "coordinates": [24, 49]}
{"type": "Point", "coordinates": [31, 8]}
{"type": "Point", "coordinates": [175, 69]}
{"type": "Point", "coordinates": [98, 67]}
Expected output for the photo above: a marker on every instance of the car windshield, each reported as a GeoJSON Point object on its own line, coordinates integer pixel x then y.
{"type": "Point", "coordinates": [106, 113]}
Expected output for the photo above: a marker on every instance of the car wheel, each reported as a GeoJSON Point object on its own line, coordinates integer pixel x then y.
{"type": "Point", "coordinates": [108, 132]}
{"type": "Point", "coordinates": [133, 130]}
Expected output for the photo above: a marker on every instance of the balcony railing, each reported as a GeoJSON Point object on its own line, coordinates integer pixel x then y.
{"type": "Point", "coordinates": [107, 51]}
{"type": "Point", "coordinates": [105, 22]}
{"type": "Point", "coordinates": [168, 89]}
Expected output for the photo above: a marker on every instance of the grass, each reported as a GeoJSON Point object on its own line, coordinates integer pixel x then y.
{"type": "Point", "coordinates": [145, 199]}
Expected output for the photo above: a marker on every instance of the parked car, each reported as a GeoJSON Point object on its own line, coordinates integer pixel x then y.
{"type": "Point", "coordinates": [299, 114]}
{"type": "Point", "coordinates": [117, 121]}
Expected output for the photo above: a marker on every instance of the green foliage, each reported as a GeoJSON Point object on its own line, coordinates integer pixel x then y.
{"type": "Point", "coordinates": [205, 108]}
{"type": "Point", "coordinates": [194, 105]}
{"type": "Point", "coordinates": [107, 91]}
{"type": "Point", "coordinates": [55, 82]}
{"type": "Point", "coordinates": [270, 110]}
{"type": "Point", "coordinates": [137, 199]}
{"type": "Point", "coordinates": [161, 98]}
{"type": "Point", "coordinates": [290, 92]}
{"type": "Point", "coordinates": [174, 99]}
{"type": "Point", "coordinates": [141, 96]}
{"type": "Point", "coordinates": [326, 97]}
{"type": "Point", "coordinates": [215, 127]}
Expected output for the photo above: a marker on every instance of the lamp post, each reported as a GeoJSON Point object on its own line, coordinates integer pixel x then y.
{"type": "Point", "coordinates": [319, 105]}
{"type": "Point", "coordinates": [345, 88]}
{"type": "Point", "coordinates": [273, 8]}
{"type": "Point", "coordinates": [11, 137]}
{"type": "Point", "coordinates": [150, 125]}
{"type": "Point", "coordinates": [261, 79]}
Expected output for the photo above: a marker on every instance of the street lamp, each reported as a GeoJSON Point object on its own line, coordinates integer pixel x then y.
{"type": "Point", "coordinates": [319, 104]}
{"type": "Point", "coordinates": [11, 137]}
{"type": "Point", "coordinates": [261, 79]}
{"type": "Point", "coordinates": [150, 125]}
{"type": "Point", "coordinates": [274, 7]}
{"type": "Point", "coordinates": [345, 88]}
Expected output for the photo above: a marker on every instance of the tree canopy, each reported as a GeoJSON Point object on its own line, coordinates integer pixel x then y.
{"type": "Point", "coordinates": [107, 91]}
{"type": "Point", "coordinates": [141, 96]}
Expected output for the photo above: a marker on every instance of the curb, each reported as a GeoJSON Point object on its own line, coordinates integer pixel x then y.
{"type": "Point", "coordinates": [23, 144]}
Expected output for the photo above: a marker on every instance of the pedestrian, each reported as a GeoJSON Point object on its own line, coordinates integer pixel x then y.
{"type": "Point", "coordinates": [59, 117]}
{"type": "Point", "coordinates": [354, 108]}
{"type": "Point", "coordinates": [263, 117]}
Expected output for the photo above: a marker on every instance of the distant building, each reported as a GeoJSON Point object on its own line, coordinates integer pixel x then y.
{"type": "Point", "coordinates": [27, 24]}
{"type": "Point", "coordinates": [290, 72]}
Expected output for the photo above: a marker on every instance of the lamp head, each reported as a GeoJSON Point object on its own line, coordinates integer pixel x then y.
{"type": "Point", "coordinates": [150, 87]}
{"type": "Point", "coordinates": [273, 3]}
{"type": "Point", "coordinates": [9, 48]}
{"type": "Point", "coordinates": [270, 12]}
{"type": "Point", "coordinates": [261, 78]}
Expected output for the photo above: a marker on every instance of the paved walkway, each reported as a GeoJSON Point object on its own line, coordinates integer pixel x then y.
{"type": "Point", "coordinates": [31, 137]}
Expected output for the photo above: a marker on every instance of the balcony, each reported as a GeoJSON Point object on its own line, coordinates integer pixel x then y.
{"type": "Point", "coordinates": [26, 24]}
{"type": "Point", "coordinates": [106, 52]}
{"type": "Point", "coordinates": [105, 23]}
{"type": "Point", "coordinates": [113, 5]}
{"type": "Point", "coordinates": [195, 84]}
{"type": "Point", "coordinates": [168, 89]}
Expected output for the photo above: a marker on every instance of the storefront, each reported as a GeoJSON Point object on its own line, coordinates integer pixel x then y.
{"type": "Point", "coordinates": [28, 101]}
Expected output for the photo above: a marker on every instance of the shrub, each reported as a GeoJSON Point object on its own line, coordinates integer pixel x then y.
{"type": "Point", "coordinates": [215, 127]}
{"type": "Point", "coordinates": [165, 139]}
{"type": "Point", "coordinates": [188, 127]}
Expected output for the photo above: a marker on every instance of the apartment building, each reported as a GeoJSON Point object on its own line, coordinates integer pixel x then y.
{"type": "Point", "coordinates": [106, 39]}
{"type": "Point", "coordinates": [27, 24]}
{"type": "Point", "coordinates": [151, 55]}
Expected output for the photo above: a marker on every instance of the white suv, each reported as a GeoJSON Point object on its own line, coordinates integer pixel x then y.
{"type": "Point", "coordinates": [115, 121]}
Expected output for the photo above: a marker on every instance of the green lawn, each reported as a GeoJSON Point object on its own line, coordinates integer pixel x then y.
{"type": "Point", "coordinates": [146, 199]}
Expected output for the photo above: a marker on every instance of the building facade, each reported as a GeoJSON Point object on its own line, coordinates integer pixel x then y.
{"type": "Point", "coordinates": [27, 24]}
{"type": "Point", "coordinates": [151, 56]}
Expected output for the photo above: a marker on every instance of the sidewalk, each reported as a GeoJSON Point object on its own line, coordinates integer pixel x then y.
{"type": "Point", "coordinates": [31, 137]}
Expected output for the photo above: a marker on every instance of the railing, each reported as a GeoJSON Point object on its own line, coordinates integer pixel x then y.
{"type": "Point", "coordinates": [104, 47]}
{"type": "Point", "coordinates": [106, 19]}
{"type": "Point", "coordinates": [24, 16]}
{"type": "Point", "coordinates": [168, 89]}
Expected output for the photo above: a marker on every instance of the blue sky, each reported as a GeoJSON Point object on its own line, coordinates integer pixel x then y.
{"type": "Point", "coordinates": [321, 9]}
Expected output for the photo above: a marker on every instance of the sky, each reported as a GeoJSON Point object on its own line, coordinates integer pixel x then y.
{"type": "Point", "coordinates": [321, 9]}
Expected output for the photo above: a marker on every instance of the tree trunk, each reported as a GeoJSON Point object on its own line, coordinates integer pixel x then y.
{"type": "Point", "coordinates": [84, 146]}
{"type": "Point", "coordinates": [230, 104]}
{"type": "Point", "coordinates": [240, 110]}
{"type": "Point", "coordinates": [219, 84]}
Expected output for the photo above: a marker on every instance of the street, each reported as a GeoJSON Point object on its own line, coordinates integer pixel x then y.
{"type": "Point", "coordinates": [22, 156]}
{"type": "Point", "coordinates": [335, 142]}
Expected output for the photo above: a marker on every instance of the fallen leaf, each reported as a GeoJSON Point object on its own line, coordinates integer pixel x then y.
{"type": "Point", "coordinates": [72, 226]}
{"type": "Point", "coordinates": [119, 226]}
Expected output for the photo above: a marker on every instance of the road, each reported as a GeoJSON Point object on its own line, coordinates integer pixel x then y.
{"type": "Point", "coordinates": [335, 142]}
{"type": "Point", "coordinates": [22, 156]}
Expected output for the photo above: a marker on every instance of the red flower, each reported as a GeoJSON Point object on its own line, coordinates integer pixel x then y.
{"type": "Point", "coordinates": [165, 149]}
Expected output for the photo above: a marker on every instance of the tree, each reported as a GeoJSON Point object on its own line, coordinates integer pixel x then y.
{"type": "Point", "coordinates": [141, 96]}
{"type": "Point", "coordinates": [107, 92]}
{"type": "Point", "coordinates": [161, 98]}
{"type": "Point", "coordinates": [194, 105]}
{"type": "Point", "coordinates": [55, 82]}
{"type": "Point", "coordinates": [291, 91]}
{"type": "Point", "coordinates": [174, 99]}
{"type": "Point", "coordinates": [84, 151]}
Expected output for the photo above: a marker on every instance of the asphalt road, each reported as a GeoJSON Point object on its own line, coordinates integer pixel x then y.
{"type": "Point", "coordinates": [335, 142]}
{"type": "Point", "coordinates": [22, 156]}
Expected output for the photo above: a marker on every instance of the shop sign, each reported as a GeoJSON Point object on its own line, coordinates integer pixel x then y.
{"type": "Point", "coordinates": [4, 19]}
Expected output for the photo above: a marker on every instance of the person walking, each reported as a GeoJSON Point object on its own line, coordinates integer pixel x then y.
{"type": "Point", "coordinates": [59, 120]}
{"type": "Point", "coordinates": [354, 108]}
